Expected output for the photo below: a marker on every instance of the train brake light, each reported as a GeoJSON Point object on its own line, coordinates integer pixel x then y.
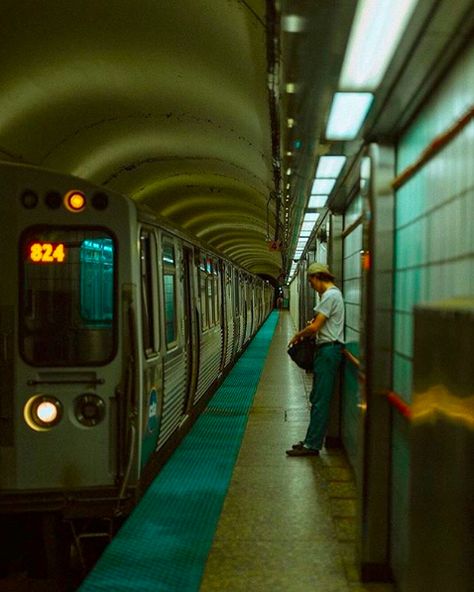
{"type": "Point", "coordinates": [75, 201]}
{"type": "Point", "coordinates": [43, 412]}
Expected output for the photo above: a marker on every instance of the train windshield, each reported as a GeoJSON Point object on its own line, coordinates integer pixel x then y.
{"type": "Point", "coordinates": [67, 304]}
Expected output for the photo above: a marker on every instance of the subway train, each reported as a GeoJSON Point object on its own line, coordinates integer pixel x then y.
{"type": "Point", "coordinates": [116, 329]}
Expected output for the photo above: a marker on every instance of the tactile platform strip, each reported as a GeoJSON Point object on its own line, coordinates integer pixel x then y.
{"type": "Point", "coordinates": [163, 545]}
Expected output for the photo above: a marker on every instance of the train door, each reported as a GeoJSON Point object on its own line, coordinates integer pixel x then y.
{"type": "Point", "coordinates": [191, 333]}
{"type": "Point", "coordinates": [150, 362]}
{"type": "Point", "coordinates": [227, 323]}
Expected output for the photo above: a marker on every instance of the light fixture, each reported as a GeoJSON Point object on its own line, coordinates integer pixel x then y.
{"type": "Point", "coordinates": [290, 122]}
{"type": "Point", "coordinates": [348, 112]}
{"type": "Point", "coordinates": [290, 87]}
{"type": "Point", "coordinates": [376, 31]}
{"type": "Point", "coordinates": [42, 412]}
{"type": "Point", "coordinates": [310, 217]}
{"type": "Point", "coordinates": [322, 186]}
{"type": "Point", "coordinates": [288, 171]}
{"type": "Point", "coordinates": [317, 201]}
{"type": "Point", "coordinates": [330, 166]}
{"type": "Point", "coordinates": [75, 201]}
{"type": "Point", "coordinates": [292, 23]}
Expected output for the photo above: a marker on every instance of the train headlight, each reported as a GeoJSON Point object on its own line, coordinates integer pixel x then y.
{"type": "Point", "coordinates": [75, 201]}
{"type": "Point", "coordinates": [42, 412]}
{"type": "Point", "coordinates": [89, 409]}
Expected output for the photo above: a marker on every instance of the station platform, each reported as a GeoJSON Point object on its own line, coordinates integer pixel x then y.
{"type": "Point", "coordinates": [230, 511]}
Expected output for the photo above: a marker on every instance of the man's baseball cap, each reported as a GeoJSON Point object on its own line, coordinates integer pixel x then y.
{"type": "Point", "coordinates": [315, 268]}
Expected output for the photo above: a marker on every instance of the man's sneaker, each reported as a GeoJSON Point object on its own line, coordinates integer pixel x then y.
{"type": "Point", "coordinates": [302, 451]}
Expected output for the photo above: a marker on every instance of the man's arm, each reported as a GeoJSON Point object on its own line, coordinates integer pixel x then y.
{"type": "Point", "coordinates": [310, 330]}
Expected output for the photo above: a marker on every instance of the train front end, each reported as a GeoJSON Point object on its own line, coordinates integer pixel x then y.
{"type": "Point", "coordinates": [64, 438]}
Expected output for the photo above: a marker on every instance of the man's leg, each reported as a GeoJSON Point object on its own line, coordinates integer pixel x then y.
{"type": "Point", "coordinates": [326, 365]}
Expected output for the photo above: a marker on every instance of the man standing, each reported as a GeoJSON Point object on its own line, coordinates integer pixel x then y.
{"type": "Point", "coordinates": [328, 328]}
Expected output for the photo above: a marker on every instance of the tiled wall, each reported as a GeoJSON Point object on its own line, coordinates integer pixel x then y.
{"type": "Point", "coordinates": [352, 297]}
{"type": "Point", "coordinates": [434, 244]}
{"type": "Point", "coordinates": [434, 248]}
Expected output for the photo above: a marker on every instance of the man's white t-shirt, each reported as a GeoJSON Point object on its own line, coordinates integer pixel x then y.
{"type": "Point", "coordinates": [331, 306]}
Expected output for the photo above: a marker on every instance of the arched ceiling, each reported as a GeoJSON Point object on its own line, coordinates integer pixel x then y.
{"type": "Point", "coordinates": [165, 101]}
{"type": "Point", "coordinates": [183, 104]}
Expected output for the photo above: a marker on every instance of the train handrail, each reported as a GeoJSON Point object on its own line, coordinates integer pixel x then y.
{"type": "Point", "coordinates": [399, 404]}
{"type": "Point", "coordinates": [393, 398]}
{"type": "Point", "coordinates": [433, 148]}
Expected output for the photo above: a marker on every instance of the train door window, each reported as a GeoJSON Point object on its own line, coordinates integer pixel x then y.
{"type": "Point", "coordinates": [203, 292]}
{"type": "Point", "coordinates": [67, 303]}
{"type": "Point", "coordinates": [147, 258]}
{"type": "Point", "coordinates": [236, 292]}
{"type": "Point", "coordinates": [210, 292]}
{"type": "Point", "coordinates": [169, 290]}
{"type": "Point", "coordinates": [217, 292]}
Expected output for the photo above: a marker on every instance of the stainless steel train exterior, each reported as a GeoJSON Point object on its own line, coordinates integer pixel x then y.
{"type": "Point", "coordinates": [115, 330]}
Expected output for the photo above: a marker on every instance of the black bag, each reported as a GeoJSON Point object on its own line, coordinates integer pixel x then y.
{"type": "Point", "coordinates": [302, 353]}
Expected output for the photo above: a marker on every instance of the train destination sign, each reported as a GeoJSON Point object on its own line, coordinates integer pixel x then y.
{"type": "Point", "coordinates": [40, 252]}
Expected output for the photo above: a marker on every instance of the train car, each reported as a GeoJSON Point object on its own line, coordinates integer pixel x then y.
{"type": "Point", "coordinates": [115, 330]}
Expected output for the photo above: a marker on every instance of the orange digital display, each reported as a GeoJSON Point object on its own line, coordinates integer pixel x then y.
{"type": "Point", "coordinates": [47, 252]}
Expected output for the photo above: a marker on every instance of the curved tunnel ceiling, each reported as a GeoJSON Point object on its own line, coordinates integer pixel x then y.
{"type": "Point", "coordinates": [166, 102]}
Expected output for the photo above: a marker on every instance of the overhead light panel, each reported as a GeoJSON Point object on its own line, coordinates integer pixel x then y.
{"type": "Point", "coordinates": [317, 201]}
{"type": "Point", "coordinates": [322, 186]}
{"type": "Point", "coordinates": [376, 31]}
{"type": "Point", "coordinates": [310, 217]}
{"type": "Point", "coordinates": [293, 23]}
{"type": "Point", "coordinates": [330, 166]}
{"type": "Point", "coordinates": [348, 112]}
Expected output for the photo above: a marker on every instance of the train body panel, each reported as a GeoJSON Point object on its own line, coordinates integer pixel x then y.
{"type": "Point", "coordinates": [115, 330]}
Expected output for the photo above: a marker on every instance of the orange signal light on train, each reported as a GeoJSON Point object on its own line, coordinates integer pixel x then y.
{"type": "Point", "coordinates": [75, 201]}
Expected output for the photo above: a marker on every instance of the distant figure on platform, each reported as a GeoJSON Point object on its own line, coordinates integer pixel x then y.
{"type": "Point", "coordinates": [279, 302]}
{"type": "Point", "coordinates": [328, 329]}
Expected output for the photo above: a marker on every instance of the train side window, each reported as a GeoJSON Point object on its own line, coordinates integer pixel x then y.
{"type": "Point", "coordinates": [169, 290]}
{"type": "Point", "coordinates": [147, 250]}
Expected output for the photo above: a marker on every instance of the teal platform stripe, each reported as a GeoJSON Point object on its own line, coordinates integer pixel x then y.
{"type": "Point", "coordinates": [163, 545]}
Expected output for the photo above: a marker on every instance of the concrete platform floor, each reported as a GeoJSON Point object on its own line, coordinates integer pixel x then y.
{"type": "Point", "coordinates": [288, 524]}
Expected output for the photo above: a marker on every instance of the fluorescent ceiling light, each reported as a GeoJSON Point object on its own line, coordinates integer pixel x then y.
{"type": "Point", "coordinates": [330, 166]}
{"type": "Point", "coordinates": [365, 167]}
{"type": "Point", "coordinates": [292, 23]}
{"type": "Point", "coordinates": [310, 217]}
{"type": "Point", "coordinates": [317, 201]}
{"type": "Point", "coordinates": [376, 31]}
{"type": "Point", "coordinates": [348, 112]}
{"type": "Point", "coordinates": [290, 87]}
{"type": "Point", "coordinates": [307, 226]}
{"type": "Point", "coordinates": [290, 122]}
{"type": "Point", "coordinates": [322, 186]}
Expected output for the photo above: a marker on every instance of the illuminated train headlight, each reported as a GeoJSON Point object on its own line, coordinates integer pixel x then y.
{"type": "Point", "coordinates": [89, 409]}
{"type": "Point", "coordinates": [43, 412]}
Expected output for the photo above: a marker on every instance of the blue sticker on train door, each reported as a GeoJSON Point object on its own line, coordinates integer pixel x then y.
{"type": "Point", "coordinates": [152, 429]}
